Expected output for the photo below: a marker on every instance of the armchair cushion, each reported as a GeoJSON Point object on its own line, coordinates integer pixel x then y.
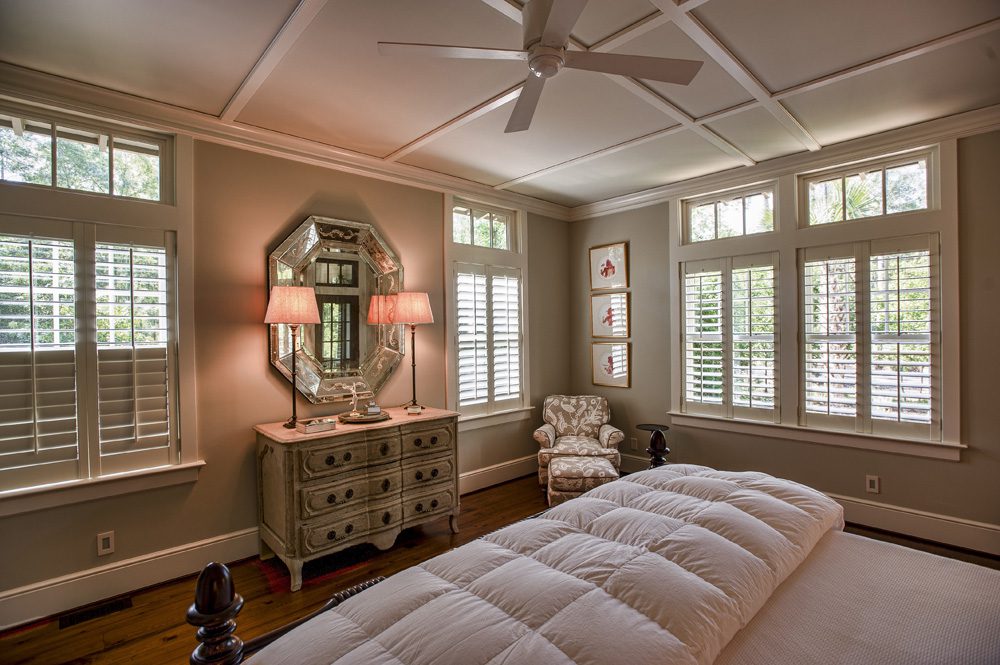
{"type": "Point", "coordinates": [576, 415]}
{"type": "Point", "coordinates": [545, 435]}
{"type": "Point", "coordinates": [610, 436]}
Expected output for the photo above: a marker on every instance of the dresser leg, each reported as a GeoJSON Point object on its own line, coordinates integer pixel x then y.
{"type": "Point", "coordinates": [295, 570]}
{"type": "Point", "coordinates": [453, 523]}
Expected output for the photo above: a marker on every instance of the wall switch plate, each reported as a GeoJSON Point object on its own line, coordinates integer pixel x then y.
{"type": "Point", "coordinates": [873, 484]}
{"type": "Point", "coordinates": [633, 443]}
{"type": "Point", "coordinates": [105, 543]}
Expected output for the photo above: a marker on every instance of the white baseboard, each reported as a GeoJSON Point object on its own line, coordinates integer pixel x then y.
{"type": "Point", "coordinates": [477, 479]}
{"type": "Point", "coordinates": [978, 536]}
{"type": "Point", "coordinates": [49, 597]}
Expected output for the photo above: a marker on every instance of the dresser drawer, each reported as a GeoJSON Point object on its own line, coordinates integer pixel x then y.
{"type": "Point", "coordinates": [426, 442]}
{"type": "Point", "coordinates": [414, 509]}
{"type": "Point", "coordinates": [318, 500]}
{"type": "Point", "coordinates": [425, 472]}
{"type": "Point", "coordinates": [324, 536]}
{"type": "Point", "coordinates": [385, 515]}
{"type": "Point", "coordinates": [326, 460]}
{"type": "Point", "coordinates": [384, 484]}
{"type": "Point", "coordinates": [383, 449]}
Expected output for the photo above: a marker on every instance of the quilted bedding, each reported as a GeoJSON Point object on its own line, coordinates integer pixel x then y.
{"type": "Point", "coordinates": [662, 566]}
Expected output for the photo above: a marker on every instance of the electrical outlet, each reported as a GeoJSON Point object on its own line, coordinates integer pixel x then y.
{"type": "Point", "coordinates": [873, 484]}
{"type": "Point", "coordinates": [633, 443]}
{"type": "Point", "coordinates": [105, 543]}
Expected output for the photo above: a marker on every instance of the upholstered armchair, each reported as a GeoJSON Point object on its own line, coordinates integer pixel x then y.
{"type": "Point", "coordinates": [576, 425]}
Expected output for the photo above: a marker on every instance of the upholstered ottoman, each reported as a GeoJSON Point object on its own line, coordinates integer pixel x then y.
{"type": "Point", "coordinates": [570, 476]}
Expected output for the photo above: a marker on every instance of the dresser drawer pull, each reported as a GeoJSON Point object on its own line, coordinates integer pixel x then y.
{"type": "Point", "coordinates": [419, 475]}
{"type": "Point", "coordinates": [331, 498]}
{"type": "Point", "coordinates": [434, 504]}
{"type": "Point", "coordinates": [331, 534]}
{"type": "Point", "coordinates": [386, 517]}
{"type": "Point", "coordinates": [434, 473]}
{"type": "Point", "coordinates": [418, 442]}
{"type": "Point", "coordinates": [385, 486]}
{"type": "Point", "coordinates": [349, 528]}
{"type": "Point", "coordinates": [330, 460]}
{"type": "Point", "coordinates": [420, 507]}
{"type": "Point", "coordinates": [384, 448]}
{"type": "Point", "coordinates": [349, 494]}
{"type": "Point", "coordinates": [347, 457]}
{"type": "Point", "coordinates": [434, 440]}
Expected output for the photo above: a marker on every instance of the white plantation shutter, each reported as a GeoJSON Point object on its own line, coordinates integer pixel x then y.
{"type": "Point", "coordinates": [488, 337]}
{"type": "Point", "coordinates": [752, 321]}
{"type": "Point", "coordinates": [703, 343]}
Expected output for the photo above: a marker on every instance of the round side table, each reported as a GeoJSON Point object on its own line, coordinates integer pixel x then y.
{"type": "Point", "coordinates": [657, 450]}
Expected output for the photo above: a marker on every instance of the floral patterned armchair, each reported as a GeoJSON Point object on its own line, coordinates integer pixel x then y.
{"type": "Point", "coordinates": [576, 425]}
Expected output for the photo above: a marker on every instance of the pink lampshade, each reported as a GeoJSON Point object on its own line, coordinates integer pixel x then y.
{"type": "Point", "coordinates": [412, 308]}
{"type": "Point", "coordinates": [292, 304]}
{"type": "Point", "coordinates": [381, 309]}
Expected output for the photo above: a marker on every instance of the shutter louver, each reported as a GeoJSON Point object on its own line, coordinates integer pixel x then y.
{"type": "Point", "coordinates": [473, 348]}
{"type": "Point", "coordinates": [703, 340]}
{"type": "Point", "coordinates": [754, 317]}
{"type": "Point", "coordinates": [132, 335]}
{"type": "Point", "coordinates": [506, 329]}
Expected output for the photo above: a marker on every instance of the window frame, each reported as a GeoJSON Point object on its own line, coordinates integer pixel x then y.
{"type": "Point", "coordinates": [513, 259]}
{"type": "Point", "coordinates": [742, 192]}
{"type": "Point", "coordinates": [940, 219]}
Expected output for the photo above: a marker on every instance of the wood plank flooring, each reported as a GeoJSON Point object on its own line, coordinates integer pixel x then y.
{"type": "Point", "coordinates": [153, 630]}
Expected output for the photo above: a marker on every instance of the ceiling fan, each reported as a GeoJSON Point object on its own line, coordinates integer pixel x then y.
{"type": "Point", "coordinates": [547, 27]}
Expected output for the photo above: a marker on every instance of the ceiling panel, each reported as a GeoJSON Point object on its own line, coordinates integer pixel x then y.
{"type": "Point", "coordinates": [669, 159]}
{"type": "Point", "coordinates": [334, 87]}
{"type": "Point", "coordinates": [189, 53]}
{"type": "Point", "coordinates": [579, 112]}
{"type": "Point", "coordinates": [787, 42]}
{"type": "Point", "coordinates": [603, 18]}
{"type": "Point", "coordinates": [711, 90]}
{"type": "Point", "coordinates": [959, 78]}
{"type": "Point", "coordinates": [757, 133]}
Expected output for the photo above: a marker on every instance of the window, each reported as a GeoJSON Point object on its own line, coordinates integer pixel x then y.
{"type": "Point", "coordinates": [100, 160]}
{"type": "Point", "coordinates": [729, 342]}
{"type": "Point", "coordinates": [869, 324]}
{"type": "Point", "coordinates": [482, 227]}
{"type": "Point", "coordinates": [729, 215]}
{"type": "Point", "coordinates": [486, 305]}
{"type": "Point", "coordinates": [881, 188]}
{"type": "Point", "coordinates": [87, 353]}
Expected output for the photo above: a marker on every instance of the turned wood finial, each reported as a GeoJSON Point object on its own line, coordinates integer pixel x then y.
{"type": "Point", "coordinates": [214, 611]}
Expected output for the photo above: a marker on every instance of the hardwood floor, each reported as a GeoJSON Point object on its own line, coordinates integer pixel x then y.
{"type": "Point", "coordinates": [153, 629]}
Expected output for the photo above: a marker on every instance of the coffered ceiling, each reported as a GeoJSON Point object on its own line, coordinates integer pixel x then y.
{"type": "Point", "coordinates": [780, 77]}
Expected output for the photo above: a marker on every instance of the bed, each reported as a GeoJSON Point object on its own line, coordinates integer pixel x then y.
{"type": "Point", "coordinates": [676, 565]}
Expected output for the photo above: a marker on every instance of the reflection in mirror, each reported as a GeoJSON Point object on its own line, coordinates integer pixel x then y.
{"type": "Point", "coordinates": [346, 263]}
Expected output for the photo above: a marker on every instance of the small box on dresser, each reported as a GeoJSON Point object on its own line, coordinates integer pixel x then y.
{"type": "Point", "coordinates": [320, 493]}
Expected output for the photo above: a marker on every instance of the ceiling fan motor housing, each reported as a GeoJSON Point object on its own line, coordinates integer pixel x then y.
{"type": "Point", "coordinates": [545, 61]}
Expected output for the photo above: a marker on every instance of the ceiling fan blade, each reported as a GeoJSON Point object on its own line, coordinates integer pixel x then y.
{"type": "Point", "coordinates": [668, 70]}
{"type": "Point", "coordinates": [561, 19]}
{"type": "Point", "coordinates": [524, 109]}
{"type": "Point", "coordinates": [444, 51]}
{"type": "Point", "coordinates": [533, 17]}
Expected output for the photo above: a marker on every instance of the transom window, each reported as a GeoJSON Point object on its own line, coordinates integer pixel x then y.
{"type": "Point", "coordinates": [99, 160]}
{"type": "Point", "coordinates": [729, 215]}
{"type": "Point", "coordinates": [481, 226]}
{"type": "Point", "coordinates": [882, 188]}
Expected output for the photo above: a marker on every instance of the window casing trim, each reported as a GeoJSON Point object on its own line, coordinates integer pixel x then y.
{"type": "Point", "coordinates": [690, 203]}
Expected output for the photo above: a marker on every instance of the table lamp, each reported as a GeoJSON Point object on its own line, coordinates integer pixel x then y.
{"type": "Point", "coordinates": [292, 305]}
{"type": "Point", "coordinates": [413, 308]}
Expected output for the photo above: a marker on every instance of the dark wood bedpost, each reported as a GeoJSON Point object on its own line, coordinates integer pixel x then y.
{"type": "Point", "coordinates": [214, 611]}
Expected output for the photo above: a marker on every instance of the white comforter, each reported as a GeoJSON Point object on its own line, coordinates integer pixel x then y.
{"type": "Point", "coordinates": [663, 566]}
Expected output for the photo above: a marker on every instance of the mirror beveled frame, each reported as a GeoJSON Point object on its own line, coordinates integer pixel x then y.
{"type": "Point", "coordinates": [287, 266]}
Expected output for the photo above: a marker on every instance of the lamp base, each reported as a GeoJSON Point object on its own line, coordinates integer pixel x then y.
{"type": "Point", "coordinates": [290, 423]}
{"type": "Point", "coordinates": [414, 409]}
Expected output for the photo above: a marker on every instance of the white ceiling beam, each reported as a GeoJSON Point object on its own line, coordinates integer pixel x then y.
{"type": "Point", "coordinates": [508, 8]}
{"type": "Point", "coordinates": [688, 5]}
{"type": "Point", "coordinates": [459, 121]}
{"type": "Point", "coordinates": [718, 51]}
{"type": "Point", "coordinates": [290, 32]}
{"type": "Point", "coordinates": [892, 59]}
{"type": "Point", "coordinates": [630, 32]}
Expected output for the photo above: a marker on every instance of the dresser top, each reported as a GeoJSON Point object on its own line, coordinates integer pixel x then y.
{"type": "Point", "coordinates": [278, 432]}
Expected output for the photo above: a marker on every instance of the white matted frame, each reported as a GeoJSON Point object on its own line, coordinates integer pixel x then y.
{"type": "Point", "coordinates": [610, 364]}
{"type": "Point", "coordinates": [609, 266]}
{"type": "Point", "coordinates": [610, 315]}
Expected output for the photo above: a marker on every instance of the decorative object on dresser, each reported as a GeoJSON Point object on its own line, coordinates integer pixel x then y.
{"type": "Point", "coordinates": [292, 305]}
{"type": "Point", "coordinates": [363, 483]}
{"type": "Point", "coordinates": [657, 450]}
{"type": "Point", "coordinates": [413, 308]}
{"type": "Point", "coordinates": [609, 266]}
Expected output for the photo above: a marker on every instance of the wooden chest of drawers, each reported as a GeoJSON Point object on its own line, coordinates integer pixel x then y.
{"type": "Point", "coordinates": [320, 493]}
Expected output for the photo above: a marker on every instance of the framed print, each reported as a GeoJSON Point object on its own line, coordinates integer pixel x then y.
{"type": "Point", "coordinates": [609, 315]}
{"type": "Point", "coordinates": [610, 364]}
{"type": "Point", "coordinates": [609, 266]}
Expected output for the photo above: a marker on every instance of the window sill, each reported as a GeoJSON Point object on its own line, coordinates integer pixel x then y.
{"type": "Point", "coordinates": [933, 450]}
{"type": "Point", "coordinates": [15, 502]}
{"type": "Point", "coordinates": [479, 421]}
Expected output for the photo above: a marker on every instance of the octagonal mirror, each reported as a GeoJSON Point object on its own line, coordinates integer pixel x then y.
{"type": "Point", "coordinates": [346, 263]}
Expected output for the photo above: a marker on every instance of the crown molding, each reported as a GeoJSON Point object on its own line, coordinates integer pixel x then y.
{"type": "Point", "coordinates": [951, 127]}
{"type": "Point", "coordinates": [26, 86]}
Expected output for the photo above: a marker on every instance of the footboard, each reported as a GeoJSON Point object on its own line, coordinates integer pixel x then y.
{"type": "Point", "coordinates": [214, 611]}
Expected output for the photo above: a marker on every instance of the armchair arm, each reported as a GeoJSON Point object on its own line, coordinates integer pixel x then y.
{"type": "Point", "coordinates": [545, 436]}
{"type": "Point", "coordinates": [610, 436]}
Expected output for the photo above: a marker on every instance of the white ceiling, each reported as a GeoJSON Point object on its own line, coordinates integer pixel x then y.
{"type": "Point", "coordinates": [780, 77]}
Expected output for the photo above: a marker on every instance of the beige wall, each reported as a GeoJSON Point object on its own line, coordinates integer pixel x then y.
{"type": "Point", "coordinates": [245, 204]}
{"type": "Point", "coordinates": [967, 489]}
